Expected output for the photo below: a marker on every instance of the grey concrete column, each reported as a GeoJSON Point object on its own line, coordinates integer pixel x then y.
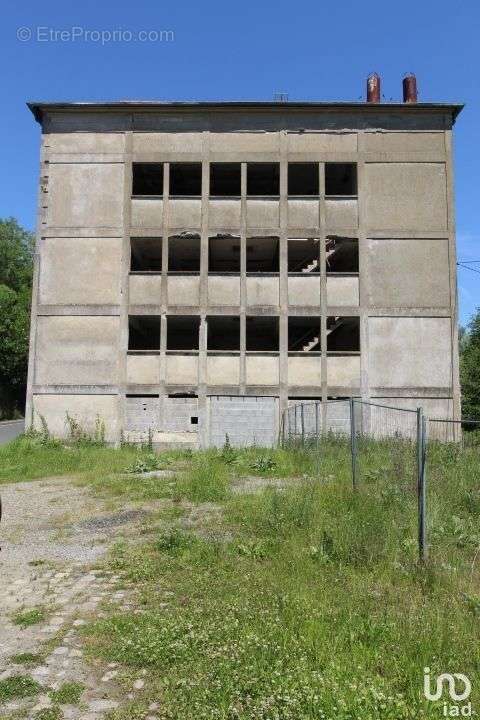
{"type": "Point", "coordinates": [202, 343]}
{"type": "Point", "coordinates": [42, 204]}
{"type": "Point", "coordinates": [283, 275]}
{"type": "Point", "coordinates": [323, 294]}
{"type": "Point", "coordinates": [243, 277]}
{"type": "Point", "coordinates": [125, 281]}
{"type": "Point", "coordinates": [164, 295]}
{"type": "Point", "coordinates": [364, 281]}
{"type": "Point", "coordinates": [452, 255]}
{"type": "Point", "coordinates": [162, 371]}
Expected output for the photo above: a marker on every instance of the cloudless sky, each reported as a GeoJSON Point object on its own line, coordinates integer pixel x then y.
{"type": "Point", "coordinates": [312, 50]}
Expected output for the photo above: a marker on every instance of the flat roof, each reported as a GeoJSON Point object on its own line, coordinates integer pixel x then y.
{"type": "Point", "coordinates": [38, 108]}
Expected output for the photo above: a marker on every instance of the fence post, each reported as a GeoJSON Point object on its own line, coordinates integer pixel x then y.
{"type": "Point", "coordinates": [421, 483]}
{"type": "Point", "coordinates": [353, 442]}
{"type": "Point", "coordinates": [281, 434]}
{"type": "Point", "coordinates": [302, 421]}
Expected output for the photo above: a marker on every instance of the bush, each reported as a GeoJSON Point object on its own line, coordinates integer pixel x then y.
{"type": "Point", "coordinates": [146, 463]}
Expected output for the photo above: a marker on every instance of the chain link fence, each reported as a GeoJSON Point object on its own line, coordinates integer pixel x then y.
{"type": "Point", "coordinates": [389, 448]}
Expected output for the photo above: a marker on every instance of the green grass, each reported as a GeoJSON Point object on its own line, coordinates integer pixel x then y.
{"type": "Point", "coordinates": [26, 659]}
{"type": "Point", "coordinates": [18, 687]}
{"type": "Point", "coordinates": [301, 602]}
{"type": "Point", "coordinates": [26, 618]}
{"type": "Point", "coordinates": [51, 713]}
{"type": "Point", "coordinates": [312, 603]}
{"type": "Point", "coordinates": [26, 458]}
{"type": "Point", "coordinates": [69, 693]}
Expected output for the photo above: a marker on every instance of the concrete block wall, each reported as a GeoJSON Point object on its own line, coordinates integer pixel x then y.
{"type": "Point", "coordinates": [404, 295]}
{"type": "Point", "coordinates": [246, 420]}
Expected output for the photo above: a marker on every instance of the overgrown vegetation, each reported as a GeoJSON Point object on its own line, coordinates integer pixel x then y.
{"type": "Point", "coordinates": [470, 368]}
{"type": "Point", "coordinates": [16, 267]}
{"type": "Point", "coordinates": [69, 693]}
{"type": "Point", "coordinates": [26, 618]}
{"type": "Point", "coordinates": [305, 601]}
{"type": "Point", "coordinates": [268, 589]}
{"type": "Point", "coordinates": [18, 687]}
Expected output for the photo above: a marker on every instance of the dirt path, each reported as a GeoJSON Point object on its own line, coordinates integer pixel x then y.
{"type": "Point", "coordinates": [52, 533]}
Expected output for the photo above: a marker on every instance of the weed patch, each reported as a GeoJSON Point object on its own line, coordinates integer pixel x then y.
{"type": "Point", "coordinates": [18, 687]}
{"type": "Point", "coordinates": [26, 618]}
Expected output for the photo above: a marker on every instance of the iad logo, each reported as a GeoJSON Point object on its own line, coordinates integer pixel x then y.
{"type": "Point", "coordinates": [450, 680]}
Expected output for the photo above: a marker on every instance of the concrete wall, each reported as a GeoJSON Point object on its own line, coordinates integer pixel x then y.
{"type": "Point", "coordinates": [77, 350]}
{"type": "Point", "coordinates": [409, 273]}
{"type": "Point", "coordinates": [223, 290]}
{"type": "Point", "coordinates": [85, 195]}
{"type": "Point", "coordinates": [142, 414]}
{"type": "Point", "coordinates": [410, 352]}
{"type": "Point", "coordinates": [145, 289]}
{"type": "Point", "coordinates": [96, 278]}
{"type": "Point", "coordinates": [246, 420]}
{"type": "Point", "coordinates": [405, 294]}
{"type": "Point", "coordinates": [404, 196]}
{"type": "Point", "coordinates": [304, 290]}
{"type": "Point", "coordinates": [83, 408]}
{"type": "Point", "coordinates": [179, 413]}
{"type": "Point", "coordinates": [183, 290]}
{"type": "Point", "coordinates": [263, 291]}
{"type": "Point", "coordinates": [143, 369]}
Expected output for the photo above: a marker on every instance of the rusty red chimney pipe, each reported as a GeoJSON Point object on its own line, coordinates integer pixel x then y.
{"type": "Point", "coordinates": [410, 94]}
{"type": "Point", "coordinates": [373, 88]}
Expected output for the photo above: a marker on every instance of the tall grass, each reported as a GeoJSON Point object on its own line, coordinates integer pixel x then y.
{"type": "Point", "coordinates": [312, 604]}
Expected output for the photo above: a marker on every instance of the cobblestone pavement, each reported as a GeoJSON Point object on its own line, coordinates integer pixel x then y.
{"type": "Point", "coordinates": [51, 535]}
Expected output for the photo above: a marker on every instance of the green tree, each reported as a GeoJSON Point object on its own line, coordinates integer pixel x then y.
{"type": "Point", "coordinates": [470, 369]}
{"type": "Point", "coordinates": [16, 268]}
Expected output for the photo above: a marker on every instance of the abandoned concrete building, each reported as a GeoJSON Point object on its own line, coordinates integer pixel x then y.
{"type": "Point", "coordinates": [201, 265]}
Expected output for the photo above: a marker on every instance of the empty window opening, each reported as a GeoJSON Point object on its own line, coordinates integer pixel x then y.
{"type": "Point", "coordinates": [194, 420]}
{"type": "Point", "coordinates": [303, 255]}
{"type": "Point", "coordinates": [225, 179]}
{"type": "Point", "coordinates": [262, 334]}
{"type": "Point", "coordinates": [263, 179]}
{"type": "Point", "coordinates": [340, 179]}
{"type": "Point", "coordinates": [343, 334]}
{"type": "Point", "coordinates": [146, 254]}
{"type": "Point", "coordinates": [342, 255]}
{"type": "Point", "coordinates": [185, 179]}
{"type": "Point", "coordinates": [311, 398]}
{"type": "Point", "coordinates": [182, 332]}
{"type": "Point", "coordinates": [263, 255]}
{"type": "Point", "coordinates": [145, 397]}
{"type": "Point", "coordinates": [144, 332]}
{"type": "Point", "coordinates": [223, 332]}
{"type": "Point", "coordinates": [184, 253]}
{"type": "Point", "coordinates": [224, 254]}
{"type": "Point", "coordinates": [184, 395]}
{"type": "Point", "coordinates": [304, 334]}
{"type": "Point", "coordinates": [147, 179]}
{"type": "Point", "coordinates": [303, 179]}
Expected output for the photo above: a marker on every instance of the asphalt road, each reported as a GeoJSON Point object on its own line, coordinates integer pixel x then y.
{"type": "Point", "coordinates": [10, 429]}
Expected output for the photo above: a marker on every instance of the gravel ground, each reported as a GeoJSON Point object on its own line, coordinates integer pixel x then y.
{"type": "Point", "coordinates": [51, 534]}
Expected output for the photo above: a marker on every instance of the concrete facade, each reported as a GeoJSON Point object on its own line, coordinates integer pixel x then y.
{"type": "Point", "coordinates": [304, 324]}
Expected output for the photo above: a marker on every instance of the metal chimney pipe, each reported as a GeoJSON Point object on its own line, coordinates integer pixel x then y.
{"type": "Point", "coordinates": [410, 94]}
{"type": "Point", "coordinates": [373, 88]}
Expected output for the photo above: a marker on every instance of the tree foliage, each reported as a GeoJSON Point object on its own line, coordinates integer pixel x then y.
{"type": "Point", "coordinates": [470, 369]}
{"type": "Point", "coordinates": [16, 269]}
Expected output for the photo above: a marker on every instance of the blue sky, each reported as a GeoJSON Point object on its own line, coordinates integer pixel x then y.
{"type": "Point", "coordinates": [225, 50]}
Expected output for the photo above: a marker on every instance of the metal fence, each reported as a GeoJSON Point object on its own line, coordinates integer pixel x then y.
{"type": "Point", "coordinates": [383, 441]}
